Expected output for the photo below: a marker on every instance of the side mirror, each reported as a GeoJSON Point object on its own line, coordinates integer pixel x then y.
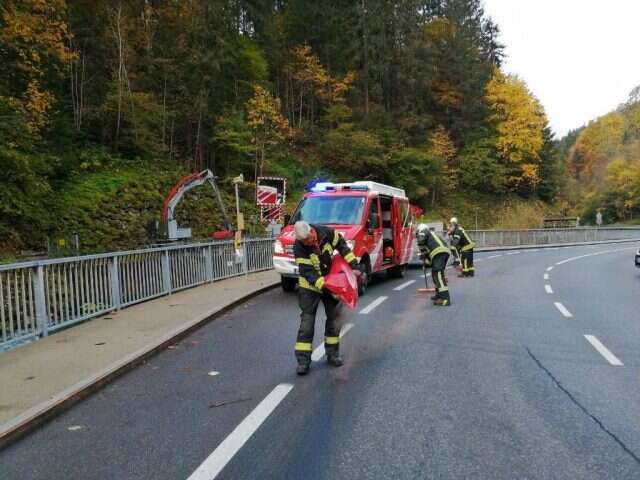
{"type": "Point", "coordinates": [368, 226]}
{"type": "Point", "coordinates": [287, 219]}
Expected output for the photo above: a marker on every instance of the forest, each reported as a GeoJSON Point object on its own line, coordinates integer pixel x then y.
{"type": "Point", "coordinates": [104, 104]}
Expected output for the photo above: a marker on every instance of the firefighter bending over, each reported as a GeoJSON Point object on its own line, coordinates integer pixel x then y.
{"type": "Point", "coordinates": [314, 251]}
{"type": "Point", "coordinates": [461, 241]}
{"type": "Point", "coordinates": [435, 253]}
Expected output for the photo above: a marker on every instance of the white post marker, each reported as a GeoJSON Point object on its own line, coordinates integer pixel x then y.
{"type": "Point", "coordinates": [604, 351]}
{"type": "Point", "coordinates": [404, 285]}
{"type": "Point", "coordinates": [546, 276]}
{"type": "Point", "coordinates": [548, 289]}
{"type": "Point", "coordinates": [213, 465]}
{"type": "Point", "coordinates": [372, 305]}
{"type": "Point", "coordinates": [549, 268]}
{"type": "Point", "coordinates": [563, 310]}
{"type": "Point", "coordinates": [319, 352]}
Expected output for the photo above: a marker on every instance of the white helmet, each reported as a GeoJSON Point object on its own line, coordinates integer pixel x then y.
{"type": "Point", "coordinates": [453, 221]}
{"type": "Point", "coordinates": [302, 230]}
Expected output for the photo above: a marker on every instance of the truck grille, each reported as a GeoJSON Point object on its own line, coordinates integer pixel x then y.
{"type": "Point", "coordinates": [289, 250]}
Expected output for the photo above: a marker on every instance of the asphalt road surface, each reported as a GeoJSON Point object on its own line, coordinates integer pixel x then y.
{"type": "Point", "coordinates": [533, 372]}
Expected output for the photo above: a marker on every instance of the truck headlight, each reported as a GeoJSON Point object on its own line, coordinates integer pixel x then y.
{"type": "Point", "coordinates": [351, 244]}
{"type": "Point", "coordinates": [277, 247]}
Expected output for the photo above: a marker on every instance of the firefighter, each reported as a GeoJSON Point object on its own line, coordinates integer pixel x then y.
{"type": "Point", "coordinates": [461, 240]}
{"type": "Point", "coordinates": [435, 253]}
{"type": "Point", "coordinates": [313, 251]}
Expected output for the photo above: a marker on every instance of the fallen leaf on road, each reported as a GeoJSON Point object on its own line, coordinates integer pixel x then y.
{"type": "Point", "coordinates": [74, 428]}
{"type": "Point", "coordinates": [228, 402]}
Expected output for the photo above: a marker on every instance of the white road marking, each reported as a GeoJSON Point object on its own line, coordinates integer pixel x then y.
{"type": "Point", "coordinates": [493, 256]}
{"type": "Point", "coordinates": [513, 253]}
{"type": "Point", "coordinates": [404, 285]}
{"type": "Point", "coordinates": [563, 309]}
{"type": "Point", "coordinates": [372, 305]}
{"type": "Point", "coordinates": [593, 254]}
{"type": "Point", "coordinates": [548, 288]}
{"type": "Point", "coordinates": [535, 250]}
{"type": "Point", "coordinates": [546, 276]}
{"type": "Point", "coordinates": [213, 465]}
{"type": "Point", "coordinates": [604, 351]}
{"type": "Point", "coordinates": [549, 268]}
{"type": "Point", "coordinates": [319, 352]}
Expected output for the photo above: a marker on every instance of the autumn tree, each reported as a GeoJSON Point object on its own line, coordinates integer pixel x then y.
{"type": "Point", "coordinates": [519, 121]}
{"type": "Point", "coordinates": [269, 126]}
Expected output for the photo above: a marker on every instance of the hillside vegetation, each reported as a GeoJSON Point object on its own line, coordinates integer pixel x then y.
{"type": "Point", "coordinates": [104, 104]}
{"type": "Point", "coordinates": [603, 162]}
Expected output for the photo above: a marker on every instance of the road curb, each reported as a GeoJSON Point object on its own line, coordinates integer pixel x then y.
{"type": "Point", "coordinates": [36, 416]}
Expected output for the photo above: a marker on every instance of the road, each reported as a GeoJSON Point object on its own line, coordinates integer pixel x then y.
{"type": "Point", "coordinates": [534, 372]}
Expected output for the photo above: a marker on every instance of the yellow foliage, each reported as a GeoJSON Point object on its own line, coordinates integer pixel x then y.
{"type": "Point", "coordinates": [520, 122]}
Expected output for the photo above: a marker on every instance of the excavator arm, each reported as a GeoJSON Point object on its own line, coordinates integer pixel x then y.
{"type": "Point", "coordinates": [174, 232]}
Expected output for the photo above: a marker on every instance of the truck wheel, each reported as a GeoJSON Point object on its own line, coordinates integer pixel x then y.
{"type": "Point", "coordinates": [288, 283]}
{"type": "Point", "coordinates": [397, 272]}
{"type": "Point", "coordinates": [363, 283]}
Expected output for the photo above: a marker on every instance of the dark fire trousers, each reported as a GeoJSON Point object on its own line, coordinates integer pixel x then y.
{"type": "Point", "coordinates": [467, 263]}
{"type": "Point", "coordinates": [309, 301]}
{"type": "Point", "coordinates": [438, 264]}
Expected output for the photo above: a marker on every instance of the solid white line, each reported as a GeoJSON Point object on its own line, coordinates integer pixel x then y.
{"type": "Point", "coordinates": [548, 288]}
{"type": "Point", "coordinates": [373, 305]}
{"type": "Point", "coordinates": [404, 285]}
{"type": "Point", "coordinates": [546, 276]}
{"type": "Point", "coordinates": [563, 310]}
{"type": "Point", "coordinates": [318, 353]}
{"type": "Point", "coordinates": [604, 351]}
{"type": "Point", "coordinates": [213, 465]}
{"type": "Point", "coordinates": [549, 268]}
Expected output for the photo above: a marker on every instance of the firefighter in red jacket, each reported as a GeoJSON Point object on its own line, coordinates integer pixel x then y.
{"type": "Point", "coordinates": [313, 251]}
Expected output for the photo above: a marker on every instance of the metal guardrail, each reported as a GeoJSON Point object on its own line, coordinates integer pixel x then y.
{"type": "Point", "coordinates": [38, 298]}
{"type": "Point", "coordinates": [546, 236]}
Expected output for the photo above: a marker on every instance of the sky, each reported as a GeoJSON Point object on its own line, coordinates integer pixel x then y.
{"type": "Point", "coordinates": [581, 58]}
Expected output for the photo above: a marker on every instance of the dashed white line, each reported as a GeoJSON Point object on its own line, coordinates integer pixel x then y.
{"type": "Point", "coordinates": [535, 250]}
{"type": "Point", "coordinates": [404, 285]}
{"type": "Point", "coordinates": [213, 465]}
{"type": "Point", "coordinates": [514, 253]}
{"type": "Point", "coordinates": [493, 256]}
{"type": "Point", "coordinates": [319, 352]}
{"type": "Point", "coordinates": [549, 268]}
{"type": "Point", "coordinates": [372, 305]}
{"type": "Point", "coordinates": [548, 288]}
{"type": "Point", "coordinates": [563, 309]}
{"type": "Point", "coordinates": [604, 351]}
{"type": "Point", "coordinates": [546, 276]}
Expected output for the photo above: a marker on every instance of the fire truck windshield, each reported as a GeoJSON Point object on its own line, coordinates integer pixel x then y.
{"type": "Point", "coordinates": [330, 210]}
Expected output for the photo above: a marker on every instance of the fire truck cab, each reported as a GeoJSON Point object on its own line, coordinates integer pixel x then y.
{"type": "Point", "coordinates": [374, 219]}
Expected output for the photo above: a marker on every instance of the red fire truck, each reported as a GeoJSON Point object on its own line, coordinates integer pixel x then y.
{"type": "Point", "coordinates": [374, 219]}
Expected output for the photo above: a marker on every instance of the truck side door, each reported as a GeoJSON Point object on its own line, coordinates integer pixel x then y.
{"type": "Point", "coordinates": [373, 234]}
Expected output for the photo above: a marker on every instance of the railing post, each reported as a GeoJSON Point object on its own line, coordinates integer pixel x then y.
{"type": "Point", "coordinates": [42, 316]}
{"type": "Point", "coordinates": [245, 260]}
{"type": "Point", "coordinates": [501, 238]}
{"type": "Point", "coordinates": [115, 283]}
{"type": "Point", "coordinates": [519, 238]}
{"type": "Point", "coordinates": [208, 258]}
{"type": "Point", "coordinates": [166, 272]}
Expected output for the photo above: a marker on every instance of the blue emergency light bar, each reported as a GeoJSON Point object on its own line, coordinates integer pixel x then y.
{"type": "Point", "coordinates": [332, 187]}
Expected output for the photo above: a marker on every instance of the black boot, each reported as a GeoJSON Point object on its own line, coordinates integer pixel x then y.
{"type": "Point", "coordinates": [335, 360]}
{"type": "Point", "coordinates": [303, 369]}
{"type": "Point", "coordinates": [442, 302]}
